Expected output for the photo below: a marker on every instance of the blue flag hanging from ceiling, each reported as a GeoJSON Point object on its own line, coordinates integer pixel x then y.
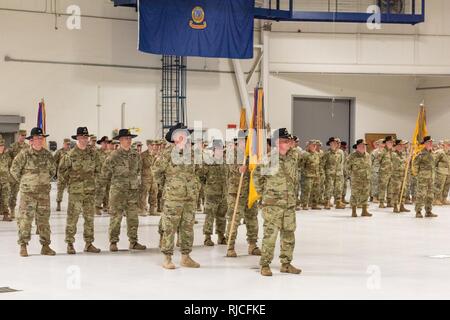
{"type": "Point", "coordinates": [204, 28]}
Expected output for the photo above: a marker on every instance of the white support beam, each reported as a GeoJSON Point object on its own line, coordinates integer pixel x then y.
{"type": "Point", "coordinates": [242, 87]}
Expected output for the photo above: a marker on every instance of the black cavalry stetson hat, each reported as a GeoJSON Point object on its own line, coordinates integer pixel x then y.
{"type": "Point", "coordinates": [358, 142]}
{"type": "Point", "coordinates": [178, 126]}
{"type": "Point", "coordinates": [124, 133]}
{"type": "Point", "coordinates": [81, 131]}
{"type": "Point", "coordinates": [36, 132]}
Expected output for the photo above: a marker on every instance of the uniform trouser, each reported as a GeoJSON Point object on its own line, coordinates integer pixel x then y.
{"type": "Point", "coordinates": [333, 187]}
{"type": "Point", "coordinates": [374, 184]}
{"type": "Point", "coordinates": [310, 191]}
{"type": "Point", "coordinates": [215, 209]}
{"type": "Point", "coordinates": [394, 190]}
{"type": "Point", "coordinates": [153, 196]}
{"type": "Point", "coordinates": [360, 192]}
{"type": "Point", "coordinates": [178, 215]}
{"type": "Point", "coordinates": [146, 186]}
{"type": "Point", "coordinates": [424, 194]}
{"type": "Point", "coordinates": [442, 186]}
{"type": "Point", "coordinates": [60, 190]}
{"type": "Point", "coordinates": [413, 186]}
{"type": "Point", "coordinates": [5, 193]}
{"type": "Point", "coordinates": [250, 216]}
{"type": "Point", "coordinates": [201, 196]}
{"type": "Point", "coordinates": [80, 204]}
{"type": "Point", "coordinates": [344, 186]}
{"type": "Point", "coordinates": [384, 179]}
{"type": "Point", "coordinates": [123, 202]}
{"type": "Point", "coordinates": [278, 220]}
{"type": "Point", "coordinates": [322, 188]}
{"type": "Point", "coordinates": [297, 192]}
{"type": "Point", "coordinates": [14, 190]}
{"type": "Point", "coordinates": [103, 201]}
{"type": "Point", "coordinates": [160, 197]}
{"type": "Point", "coordinates": [34, 206]}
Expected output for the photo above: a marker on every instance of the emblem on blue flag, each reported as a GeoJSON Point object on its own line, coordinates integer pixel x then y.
{"type": "Point", "coordinates": [198, 19]}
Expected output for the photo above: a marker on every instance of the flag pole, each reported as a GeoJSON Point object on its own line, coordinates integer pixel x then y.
{"type": "Point", "coordinates": [406, 173]}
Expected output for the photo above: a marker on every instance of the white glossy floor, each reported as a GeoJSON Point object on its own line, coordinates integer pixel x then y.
{"type": "Point", "coordinates": [385, 257]}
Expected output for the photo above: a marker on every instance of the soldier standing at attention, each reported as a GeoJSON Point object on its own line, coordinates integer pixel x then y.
{"type": "Point", "coordinates": [180, 192]}
{"type": "Point", "coordinates": [442, 179]}
{"type": "Point", "coordinates": [15, 149]}
{"type": "Point", "coordinates": [5, 164]}
{"type": "Point", "coordinates": [385, 172]}
{"type": "Point", "coordinates": [344, 148]}
{"type": "Point", "coordinates": [80, 169]}
{"type": "Point", "coordinates": [359, 170]}
{"type": "Point", "coordinates": [423, 169]}
{"type": "Point", "coordinates": [399, 161]}
{"type": "Point", "coordinates": [278, 199]}
{"type": "Point", "coordinates": [310, 170]}
{"type": "Point", "coordinates": [122, 169]}
{"type": "Point", "coordinates": [214, 173]}
{"type": "Point", "coordinates": [375, 157]}
{"type": "Point", "coordinates": [148, 182]}
{"type": "Point", "coordinates": [61, 186]}
{"type": "Point", "coordinates": [333, 161]}
{"type": "Point", "coordinates": [101, 201]}
{"type": "Point", "coordinates": [33, 169]}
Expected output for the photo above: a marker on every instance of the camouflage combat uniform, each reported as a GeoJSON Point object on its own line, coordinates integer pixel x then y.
{"type": "Point", "coordinates": [399, 161]}
{"type": "Point", "coordinates": [33, 170]}
{"type": "Point", "coordinates": [5, 164]}
{"type": "Point", "coordinates": [102, 198]}
{"type": "Point", "coordinates": [14, 150]}
{"type": "Point", "coordinates": [310, 169]}
{"type": "Point", "coordinates": [384, 176]}
{"type": "Point", "coordinates": [61, 185]}
{"type": "Point", "coordinates": [359, 169]}
{"type": "Point", "coordinates": [333, 162]}
{"type": "Point", "coordinates": [424, 170]}
{"type": "Point", "coordinates": [375, 157]}
{"type": "Point", "coordinates": [148, 182]}
{"type": "Point", "coordinates": [442, 178]}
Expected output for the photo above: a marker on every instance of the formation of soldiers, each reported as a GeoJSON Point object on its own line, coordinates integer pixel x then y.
{"type": "Point", "coordinates": [120, 180]}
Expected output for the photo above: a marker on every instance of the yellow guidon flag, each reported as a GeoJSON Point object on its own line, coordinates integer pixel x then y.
{"type": "Point", "coordinates": [419, 132]}
{"type": "Point", "coordinates": [255, 142]}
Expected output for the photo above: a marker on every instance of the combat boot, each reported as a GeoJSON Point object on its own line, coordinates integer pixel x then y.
{"type": "Point", "coordinates": [265, 271]}
{"type": "Point", "coordinates": [315, 207]}
{"type": "Point", "coordinates": [371, 199]}
{"type": "Point", "coordinates": [354, 215]}
{"type": "Point", "coordinates": [98, 211]}
{"type": "Point", "coordinates": [58, 206]}
{"type": "Point", "coordinates": [168, 264]}
{"type": "Point", "coordinates": [396, 209]}
{"type": "Point", "coordinates": [408, 200]}
{"type": "Point", "coordinates": [445, 202]}
{"type": "Point", "coordinates": [381, 206]}
{"type": "Point", "coordinates": [186, 261]}
{"type": "Point", "coordinates": [327, 205]}
{"type": "Point", "coordinates": [231, 253]}
{"type": "Point", "coordinates": [365, 212]}
{"type": "Point", "coordinates": [403, 209]}
{"type": "Point", "coordinates": [289, 268]}
{"type": "Point", "coordinates": [12, 211]}
{"type": "Point", "coordinates": [413, 200]}
{"type": "Point", "coordinates": [142, 214]}
{"type": "Point", "coordinates": [137, 246]}
{"type": "Point", "coordinates": [389, 203]}
{"type": "Point", "coordinates": [344, 201]}
{"type": "Point", "coordinates": [70, 249]}
{"type": "Point", "coordinates": [419, 215]}
{"type": "Point", "coordinates": [340, 205]}
{"type": "Point", "coordinates": [6, 217]}
{"type": "Point", "coordinates": [375, 200]}
{"type": "Point", "coordinates": [23, 250]}
{"type": "Point", "coordinates": [430, 214]}
{"type": "Point", "coordinates": [253, 249]}
{"type": "Point", "coordinates": [437, 202]}
{"type": "Point", "coordinates": [90, 248]}
{"type": "Point", "coordinates": [304, 207]}
{"type": "Point", "coordinates": [221, 239]}
{"type": "Point", "coordinates": [113, 247]}
{"type": "Point", "coordinates": [47, 251]}
{"type": "Point", "coordinates": [208, 242]}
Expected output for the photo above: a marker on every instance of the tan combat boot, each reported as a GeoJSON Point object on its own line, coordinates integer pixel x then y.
{"type": "Point", "coordinates": [289, 268]}
{"type": "Point", "coordinates": [403, 209]}
{"type": "Point", "coordinates": [70, 249]}
{"type": "Point", "coordinates": [304, 207]}
{"type": "Point", "coordinates": [208, 242]}
{"type": "Point", "coordinates": [445, 202]}
{"type": "Point", "coordinates": [437, 202]}
{"type": "Point", "coordinates": [113, 247]}
{"type": "Point", "coordinates": [98, 211]}
{"type": "Point", "coordinates": [58, 206]}
{"type": "Point", "coordinates": [365, 213]}
{"type": "Point", "coordinates": [315, 207]}
{"type": "Point", "coordinates": [389, 203]}
{"type": "Point", "coordinates": [265, 271]}
{"type": "Point", "coordinates": [381, 206]}
{"type": "Point", "coordinates": [375, 200]}
{"type": "Point", "coordinates": [152, 211]}
{"type": "Point", "coordinates": [6, 217]}
{"type": "Point", "coordinates": [339, 205]}
{"type": "Point", "coordinates": [327, 205]}
{"type": "Point", "coordinates": [186, 261]}
{"type": "Point", "coordinates": [47, 251]}
{"type": "Point", "coordinates": [142, 213]}
{"type": "Point", "coordinates": [90, 248]}
{"type": "Point", "coordinates": [137, 246]}
{"type": "Point", "coordinates": [168, 264]}
{"type": "Point", "coordinates": [231, 253]}
{"type": "Point", "coordinates": [419, 215]}
{"type": "Point", "coordinates": [430, 214]}
{"type": "Point", "coordinates": [221, 239]}
{"type": "Point", "coordinates": [23, 250]}
{"type": "Point", "coordinates": [253, 249]}
{"type": "Point", "coordinates": [354, 215]}
{"type": "Point", "coordinates": [396, 209]}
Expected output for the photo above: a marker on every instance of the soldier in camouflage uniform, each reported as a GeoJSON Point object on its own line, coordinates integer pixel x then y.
{"type": "Point", "coordinates": [122, 169]}
{"type": "Point", "coordinates": [375, 157]}
{"type": "Point", "coordinates": [297, 152]}
{"type": "Point", "coordinates": [93, 142]}
{"type": "Point", "coordinates": [214, 173]}
{"type": "Point", "coordinates": [344, 149]}
{"type": "Point", "coordinates": [278, 199]}
{"type": "Point", "coordinates": [424, 170]}
{"type": "Point", "coordinates": [80, 169]}
{"type": "Point", "coordinates": [310, 169]}
{"type": "Point", "coordinates": [359, 169]}
{"type": "Point", "coordinates": [15, 149]}
{"type": "Point", "coordinates": [250, 215]}
{"type": "Point", "coordinates": [5, 164]}
{"type": "Point", "coordinates": [61, 186]}
{"type": "Point", "coordinates": [102, 199]}
{"type": "Point", "coordinates": [321, 188]}
{"type": "Point", "coordinates": [333, 164]}
{"type": "Point", "coordinates": [442, 178]}
{"type": "Point", "coordinates": [385, 173]}
{"type": "Point", "coordinates": [399, 161]}
{"type": "Point", "coordinates": [180, 194]}
{"type": "Point", "coordinates": [160, 180]}
{"type": "Point", "coordinates": [33, 169]}
{"type": "Point", "coordinates": [148, 186]}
